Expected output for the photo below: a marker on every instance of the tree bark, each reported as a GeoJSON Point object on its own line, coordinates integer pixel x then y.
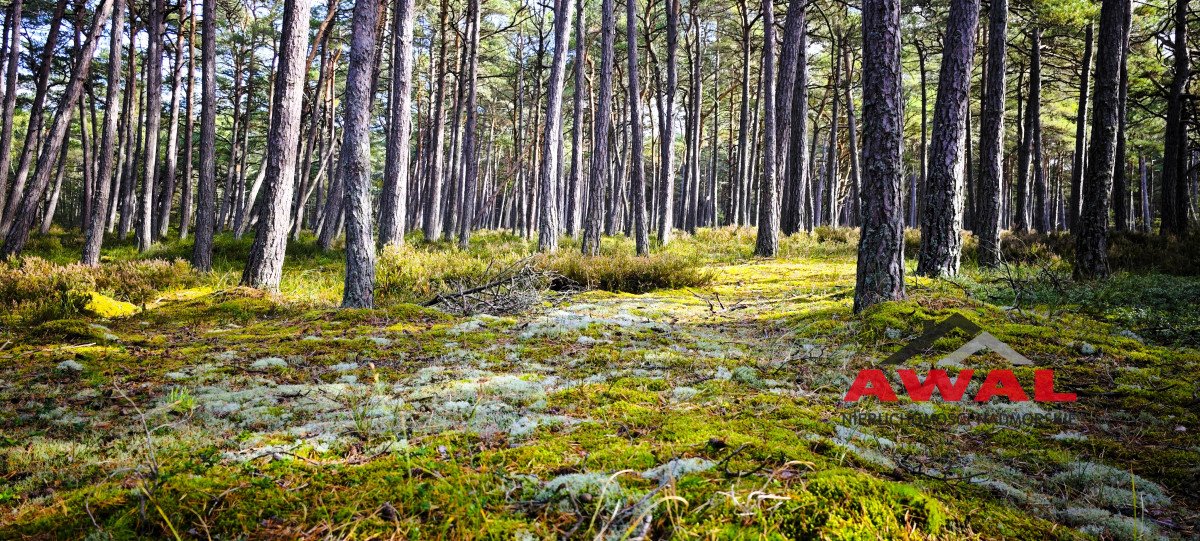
{"type": "Point", "coordinates": [666, 172]}
{"type": "Point", "coordinates": [880, 274]}
{"type": "Point", "coordinates": [10, 100]}
{"type": "Point", "coordinates": [33, 128]}
{"type": "Point", "coordinates": [1091, 241]}
{"type": "Point", "coordinates": [94, 224]}
{"type": "Point", "coordinates": [637, 179]}
{"type": "Point", "coordinates": [22, 220]}
{"type": "Point", "coordinates": [767, 242]}
{"type": "Point", "coordinates": [433, 195]}
{"type": "Point", "coordinates": [1121, 202]}
{"type": "Point", "coordinates": [206, 190]}
{"type": "Point", "coordinates": [1081, 118]}
{"type": "Point", "coordinates": [470, 183]}
{"type": "Point", "coordinates": [941, 240]}
{"type": "Point", "coordinates": [603, 116]}
{"type": "Point", "coordinates": [356, 158]}
{"type": "Point", "coordinates": [991, 138]}
{"type": "Point", "coordinates": [548, 228]}
{"type": "Point", "coordinates": [1173, 197]}
{"type": "Point", "coordinates": [154, 29]}
{"type": "Point", "coordinates": [264, 268]}
{"type": "Point", "coordinates": [393, 201]}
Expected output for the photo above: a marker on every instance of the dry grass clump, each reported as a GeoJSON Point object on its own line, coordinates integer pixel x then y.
{"type": "Point", "coordinates": [37, 290]}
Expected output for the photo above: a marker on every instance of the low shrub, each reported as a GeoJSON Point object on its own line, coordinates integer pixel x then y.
{"type": "Point", "coordinates": [38, 290]}
{"type": "Point", "coordinates": [627, 273]}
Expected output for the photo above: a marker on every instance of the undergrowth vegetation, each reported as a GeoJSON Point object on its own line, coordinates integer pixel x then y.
{"type": "Point", "coordinates": [695, 393]}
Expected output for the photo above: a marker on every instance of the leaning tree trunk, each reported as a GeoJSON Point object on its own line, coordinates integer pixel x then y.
{"type": "Point", "coordinates": [154, 53]}
{"type": "Point", "coordinates": [1091, 239]}
{"type": "Point", "coordinates": [549, 226]}
{"type": "Point", "coordinates": [22, 220]}
{"type": "Point", "coordinates": [880, 274]}
{"type": "Point", "coordinates": [991, 139]}
{"type": "Point", "coordinates": [1081, 118]}
{"type": "Point", "coordinates": [941, 242]}
{"type": "Point", "coordinates": [94, 224]}
{"type": "Point", "coordinates": [264, 268]}
{"type": "Point", "coordinates": [600, 128]}
{"type": "Point", "coordinates": [33, 127]}
{"type": "Point", "coordinates": [356, 158]}
{"type": "Point", "coordinates": [393, 209]}
{"type": "Point", "coordinates": [10, 100]}
{"type": "Point", "coordinates": [767, 243]}
{"type": "Point", "coordinates": [1173, 198]}
{"type": "Point", "coordinates": [206, 187]}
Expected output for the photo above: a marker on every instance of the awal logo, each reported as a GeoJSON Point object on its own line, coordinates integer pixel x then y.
{"type": "Point", "coordinates": [997, 383]}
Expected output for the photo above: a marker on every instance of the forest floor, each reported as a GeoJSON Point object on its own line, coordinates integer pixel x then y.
{"type": "Point", "coordinates": [709, 411]}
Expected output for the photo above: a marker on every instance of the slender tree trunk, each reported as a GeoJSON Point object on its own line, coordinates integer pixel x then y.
{"type": "Point", "coordinates": [548, 228]}
{"type": "Point", "coordinates": [880, 275]}
{"type": "Point", "coordinates": [603, 115]}
{"type": "Point", "coordinates": [1121, 201]}
{"type": "Point", "coordinates": [941, 240]}
{"type": "Point", "coordinates": [1091, 240]}
{"type": "Point", "coordinates": [94, 224]}
{"type": "Point", "coordinates": [1039, 210]}
{"type": "Point", "coordinates": [10, 100]}
{"type": "Point", "coordinates": [168, 192]}
{"type": "Point", "coordinates": [666, 195]}
{"type": "Point", "coordinates": [185, 203]}
{"type": "Point", "coordinates": [33, 128]}
{"type": "Point", "coordinates": [433, 196]}
{"type": "Point", "coordinates": [637, 180]}
{"type": "Point", "coordinates": [356, 158]}
{"type": "Point", "coordinates": [1081, 118]}
{"type": "Point", "coordinates": [851, 215]}
{"type": "Point", "coordinates": [264, 268]}
{"type": "Point", "coordinates": [1173, 197]}
{"type": "Point", "coordinates": [470, 183]}
{"type": "Point", "coordinates": [154, 55]}
{"type": "Point", "coordinates": [767, 242]}
{"type": "Point", "coordinates": [991, 138]}
{"type": "Point", "coordinates": [52, 201]}
{"type": "Point", "coordinates": [206, 192]}
{"type": "Point", "coordinates": [393, 210]}
{"type": "Point", "coordinates": [22, 220]}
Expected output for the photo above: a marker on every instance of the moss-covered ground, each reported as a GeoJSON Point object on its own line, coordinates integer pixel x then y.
{"type": "Point", "coordinates": [206, 411]}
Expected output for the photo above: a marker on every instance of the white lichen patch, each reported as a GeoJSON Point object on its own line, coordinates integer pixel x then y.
{"type": "Point", "coordinates": [676, 468]}
{"type": "Point", "coordinates": [267, 363]}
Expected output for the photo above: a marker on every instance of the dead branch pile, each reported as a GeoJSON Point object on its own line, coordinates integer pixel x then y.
{"type": "Point", "coordinates": [510, 289]}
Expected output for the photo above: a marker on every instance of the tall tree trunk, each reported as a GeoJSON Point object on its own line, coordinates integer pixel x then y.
{"type": "Point", "coordinates": [433, 195]}
{"type": "Point", "coordinates": [851, 215]}
{"type": "Point", "coordinates": [1173, 197]}
{"type": "Point", "coordinates": [392, 205]}
{"type": "Point", "coordinates": [355, 158]}
{"type": "Point", "coordinates": [791, 56]}
{"type": "Point", "coordinates": [666, 173]}
{"type": "Point", "coordinates": [168, 192]}
{"type": "Point", "coordinates": [94, 223]}
{"type": "Point", "coordinates": [767, 242]}
{"type": "Point", "coordinates": [637, 179]}
{"type": "Point", "coordinates": [264, 267]}
{"type": "Point", "coordinates": [600, 127]}
{"type": "Point", "coordinates": [1091, 239]}
{"type": "Point", "coordinates": [470, 183]}
{"type": "Point", "coordinates": [206, 191]}
{"type": "Point", "coordinates": [548, 228]}
{"type": "Point", "coordinates": [154, 53]}
{"type": "Point", "coordinates": [10, 99]}
{"type": "Point", "coordinates": [33, 127]}
{"type": "Point", "coordinates": [941, 240]}
{"type": "Point", "coordinates": [795, 213]}
{"type": "Point", "coordinates": [22, 220]}
{"type": "Point", "coordinates": [1039, 211]}
{"type": "Point", "coordinates": [1081, 118]}
{"type": "Point", "coordinates": [991, 138]}
{"type": "Point", "coordinates": [575, 183]}
{"type": "Point", "coordinates": [1121, 203]}
{"type": "Point", "coordinates": [880, 274]}
{"type": "Point", "coordinates": [185, 199]}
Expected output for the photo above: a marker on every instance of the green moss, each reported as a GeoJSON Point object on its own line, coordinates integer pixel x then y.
{"type": "Point", "coordinates": [103, 306]}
